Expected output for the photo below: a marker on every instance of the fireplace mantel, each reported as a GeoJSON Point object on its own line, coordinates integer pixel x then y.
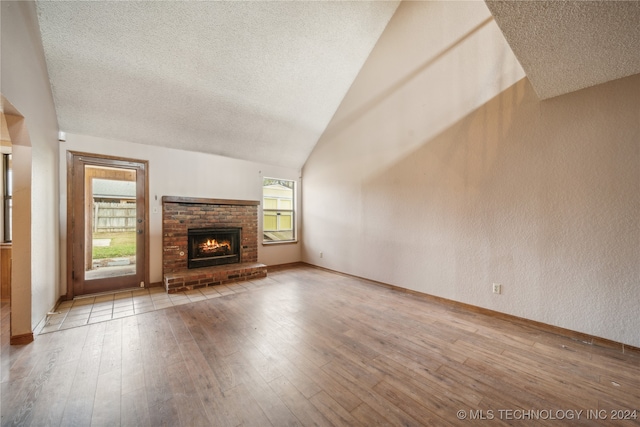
{"type": "Point", "coordinates": [204, 201]}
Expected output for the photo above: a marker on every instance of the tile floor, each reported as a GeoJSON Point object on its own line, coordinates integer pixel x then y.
{"type": "Point", "coordinates": [87, 310]}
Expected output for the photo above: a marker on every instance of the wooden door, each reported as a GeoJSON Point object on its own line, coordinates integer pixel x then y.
{"type": "Point", "coordinates": [107, 218]}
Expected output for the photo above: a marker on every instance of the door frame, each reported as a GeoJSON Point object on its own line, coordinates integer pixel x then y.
{"type": "Point", "coordinates": [73, 198]}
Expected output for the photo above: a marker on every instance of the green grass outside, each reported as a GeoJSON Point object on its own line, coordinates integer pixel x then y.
{"type": "Point", "coordinates": [123, 244]}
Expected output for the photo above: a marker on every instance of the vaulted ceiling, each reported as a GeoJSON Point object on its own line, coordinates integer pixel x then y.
{"type": "Point", "coordinates": [261, 80]}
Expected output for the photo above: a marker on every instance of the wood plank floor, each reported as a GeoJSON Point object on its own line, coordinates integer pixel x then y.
{"type": "Point", "coordinates": [309, 347]}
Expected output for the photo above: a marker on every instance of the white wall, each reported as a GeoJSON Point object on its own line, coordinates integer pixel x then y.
{"type": "Point", "coordinates": [427, 180]}
{"type": "Point", "coordinates": [180, 173]}
{"type": "Point", "coordinates": [25, 84]}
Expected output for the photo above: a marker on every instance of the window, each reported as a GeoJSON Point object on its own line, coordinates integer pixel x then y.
{"type": "Point", "coordinates": [278, 210]}
{"type": "Point", "coordinates": [7, 195]}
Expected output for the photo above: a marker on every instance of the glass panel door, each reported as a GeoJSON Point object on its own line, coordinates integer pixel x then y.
{"type": "Point", "coordinates": [108, 224]}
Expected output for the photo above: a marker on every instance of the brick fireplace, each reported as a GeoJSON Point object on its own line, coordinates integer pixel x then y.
{"type": "Point", "coordinates": [181, 214]}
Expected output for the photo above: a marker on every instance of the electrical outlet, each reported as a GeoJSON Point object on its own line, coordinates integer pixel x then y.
{"type": "Point", "coordinates": [497, 288]}
{"type": "Point", "coordinates": [321, 254]}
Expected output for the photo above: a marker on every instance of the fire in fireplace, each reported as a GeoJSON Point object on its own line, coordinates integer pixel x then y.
{"type": "Point", "coordinates": [213, 246]}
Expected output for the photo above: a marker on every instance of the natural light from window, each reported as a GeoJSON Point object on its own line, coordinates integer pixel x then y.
{"type": "Point", "coordinates": [7, 196]}
{"type": "Point", "coordinates": [278, 210]}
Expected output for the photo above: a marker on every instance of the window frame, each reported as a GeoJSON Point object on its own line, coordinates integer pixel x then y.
{"type": "Point", "coordinates": [278, 210]}
{"type": "Point", "coordinates": [7, 197]}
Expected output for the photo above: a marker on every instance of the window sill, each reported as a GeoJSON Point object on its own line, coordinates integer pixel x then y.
{"type": "Point", "coordinates": [282, 242]}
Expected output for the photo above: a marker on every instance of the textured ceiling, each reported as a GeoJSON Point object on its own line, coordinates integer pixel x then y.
{"type": "Point", "coordinates": [261, 80]}
{"type": "Point", "coordinates": [250, 80]}
{"type": "Point", "coordinates": [565, 46]}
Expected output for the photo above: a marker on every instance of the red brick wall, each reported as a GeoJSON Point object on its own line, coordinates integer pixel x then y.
{"type": "Point", "coordinates": [181, 214]}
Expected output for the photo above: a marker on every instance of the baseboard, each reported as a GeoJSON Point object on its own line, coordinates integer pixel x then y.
{"type": "Point", "coordinates": [21, 339]}
{"type": "Point", "coordinates": [287, 265]}
{"type": "Point", "coordinates": [568, 333]}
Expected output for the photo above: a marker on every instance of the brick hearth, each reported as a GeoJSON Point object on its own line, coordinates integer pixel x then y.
{"type": "Point", "coordinates": [210, 276]}
{"type": "Point", "coordinates": [182, 213]}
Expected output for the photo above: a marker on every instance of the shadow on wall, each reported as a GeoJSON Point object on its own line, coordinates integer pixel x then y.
{"type": "Point", "coordinates": [540, 195]}
{"type": "Point", "coordinates": [450, 180]}
{"type": "Point", "coordinates": [365, 108]}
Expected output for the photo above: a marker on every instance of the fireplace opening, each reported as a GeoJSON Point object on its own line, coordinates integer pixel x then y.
{"type": "Point", "coordinates": [213, 246]}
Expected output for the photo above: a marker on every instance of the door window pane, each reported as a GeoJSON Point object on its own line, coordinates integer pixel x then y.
{"type": "Point", "coordinates": [110, 222]}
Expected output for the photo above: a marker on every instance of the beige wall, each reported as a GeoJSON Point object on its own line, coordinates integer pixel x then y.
{"type": "Point", "coordinates": [180, 173]}
{"type": "Point", "coordinates": [419, 190]}
{"type": "Point", "coordinates": [25, 84]}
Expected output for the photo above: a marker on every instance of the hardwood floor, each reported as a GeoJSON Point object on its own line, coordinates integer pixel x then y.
{"type": "Point", "coordinates": [309, 347]}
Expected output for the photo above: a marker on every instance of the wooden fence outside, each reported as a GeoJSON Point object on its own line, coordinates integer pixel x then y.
{"type": "Point", "coordinates": [113, 217]}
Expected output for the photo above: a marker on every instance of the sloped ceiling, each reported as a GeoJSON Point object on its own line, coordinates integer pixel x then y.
{"type": "Point", "coordinates": [564, 46]}
{"type": "Point", "coordinates": [261, 80]}
{"type": "Point", "coordinates": [255, 80]}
